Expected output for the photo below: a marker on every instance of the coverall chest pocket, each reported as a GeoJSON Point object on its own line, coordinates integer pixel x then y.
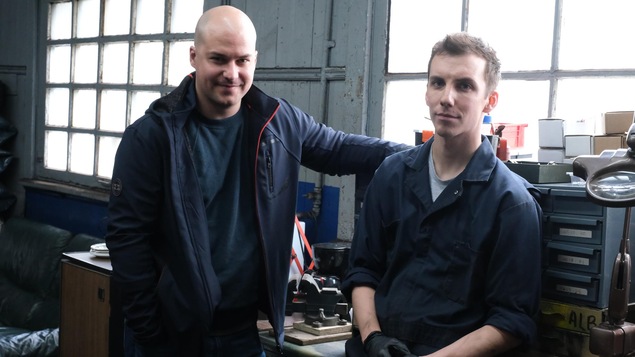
{"type": "Point", "coordinates": [464, 279]}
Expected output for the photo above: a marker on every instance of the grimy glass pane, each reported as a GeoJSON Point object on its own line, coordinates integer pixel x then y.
{"type": "Point", "coordinates": [112, 116]}
{"type": "Point", "coordinates": [84, 104]}
{"type": "Point", "coordinates": [533, 29]}
{"type": "Point", "coordinates": [57, 107]}
{"type": "Point", "coordinates": [59, 69]}
{"type": "Point", "coordinates": [595, 34]}
{"type": "Point", "coordinates": [150, 15]}
{"type": "Point", "coordinates": [87, 18]}
{"type": "Point", "coordinates": [579, 98]}
{"type": "Point", "coordinates": [82, 153]}
{"type": "Point", "coordinates": [516, 94]}
{"type": "Point", "coordinates": [85, 64]}
{"type": "Point", "coordinates": [106, 158]}
{"type": "Point", "coordinates": [140, 102]}
{"type": "Point", "coordinates": [55, 150]}
{"type": "Point", "coordinates": [147, 65]}
{"type": "Point", "coordinates": [117, 17]}
{"type": "Point", "coordinates": [405, 110]}
{"type": "Point", "coordinates": [179, 61]}
{"type": "Point", "coordinates": [410, 37]}
{"type": "Point", "coordinates": [61, 21]}
{"type": "Point", "coordinates": [115, 63]}
{"type": "Point", "coordinates": [185, 14]}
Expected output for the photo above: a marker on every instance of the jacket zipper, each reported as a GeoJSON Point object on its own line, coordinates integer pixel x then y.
{"type": "Point", "coordinates": [269, 164]}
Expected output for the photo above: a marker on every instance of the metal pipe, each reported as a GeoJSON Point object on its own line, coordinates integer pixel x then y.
{"type": "Point", "coordinates": [324, 82]}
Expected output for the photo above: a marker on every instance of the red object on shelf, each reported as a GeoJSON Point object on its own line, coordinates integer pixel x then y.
{"type": "Point", "coordinates": [423, 136]}
{"type": "Point", "coordinates": [514, 133]}
{"type": "Point", "coordinates": [502, 152]}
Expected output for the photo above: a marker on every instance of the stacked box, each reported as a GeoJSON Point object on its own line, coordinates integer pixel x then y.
{"type": "Point", "coordinates": [551, 140]}
{"type": "Point", "coordinates": [608, 142]}
{"type": "Point", "coordinates": [616, 122]}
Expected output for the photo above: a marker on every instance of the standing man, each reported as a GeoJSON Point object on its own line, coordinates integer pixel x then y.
{"type": "Point", "coordinates": [445, 259]}
{"type": "Point", "coordinates": [203, 200]}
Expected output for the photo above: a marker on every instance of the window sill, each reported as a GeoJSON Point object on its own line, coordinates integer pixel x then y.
{"type": "Point", "coordinates": [83, 192]}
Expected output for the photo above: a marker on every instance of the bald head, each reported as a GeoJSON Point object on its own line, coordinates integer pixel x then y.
{"type": "Point", "coordinates": [223, 20]}
{"type": "Point", "coordinates": [224, 56]}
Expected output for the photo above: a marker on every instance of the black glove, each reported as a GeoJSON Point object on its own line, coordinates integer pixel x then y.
{"type": "Point", "coordinates": [378, 345]}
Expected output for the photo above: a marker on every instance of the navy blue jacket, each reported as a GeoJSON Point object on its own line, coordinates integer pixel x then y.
{"type": "Point", "coordinates": [443, 269]}
{"type": "Point", "coordinates": [157, 232]}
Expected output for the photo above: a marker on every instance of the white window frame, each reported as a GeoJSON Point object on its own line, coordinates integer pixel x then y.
{"type": "Point", "coordinates": [380, 112]}
{"type": "Point", "coordinates": [93, 180]}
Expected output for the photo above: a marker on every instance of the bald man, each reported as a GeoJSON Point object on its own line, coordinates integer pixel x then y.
{"type": "Point", "coordinates": [202, 203]}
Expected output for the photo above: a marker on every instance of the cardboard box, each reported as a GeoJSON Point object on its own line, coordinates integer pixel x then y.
{"type": "Point", "coordinates": [581, 126]}
{"type": "Point", "coordinates": [608, 142]}
{"type": "Point", "coordinates": [575, 145]}
{"type": "Point", "coordinates": [617, 122]}
{"type": "Point", "coordinates": [549, 155]}
{"type": "Point", "coordinates": [550, 133]}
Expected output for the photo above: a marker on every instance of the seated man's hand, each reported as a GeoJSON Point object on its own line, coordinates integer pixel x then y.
{"type": "Point", "coordinates": [378, 345]}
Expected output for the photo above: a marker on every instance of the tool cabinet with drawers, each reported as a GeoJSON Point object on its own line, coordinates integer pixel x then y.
{"type": "Point", "coordinates": [581, 240]}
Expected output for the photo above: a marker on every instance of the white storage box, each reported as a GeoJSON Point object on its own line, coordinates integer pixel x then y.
{"type": "Point", "coordinates": [575, 145]}
{"type": "Point", "coordinates": [551, 155]}
{"type": "Point", "coordinates": [550, 133]}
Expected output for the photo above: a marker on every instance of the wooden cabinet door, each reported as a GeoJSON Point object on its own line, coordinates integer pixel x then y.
{"type": "Point", "coordinates": [85, 312]}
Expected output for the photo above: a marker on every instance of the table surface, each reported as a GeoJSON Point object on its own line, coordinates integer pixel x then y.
{"type": "Point", "coordinates": [331, 349]}
{"type": "Point", "coordinates": [86, 259]}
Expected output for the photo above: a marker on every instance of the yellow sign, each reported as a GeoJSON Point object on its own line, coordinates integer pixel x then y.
{"type": "Point", "coordinates": [570, 317]}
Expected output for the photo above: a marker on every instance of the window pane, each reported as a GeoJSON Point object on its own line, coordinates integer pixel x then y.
{"type": "Point", "coordinates": [140, 102]}
{"type": "Point", "coordinates": [82, 153]}
{"type": "Point", "coordinates": [57, 107]}
{"type": "Point", "coordinates": [59, 69]}
{"type": "Point", "coordinates": [85, 70]}
{"type": "Point", "coordinates": [533, 29]}
{"type": "Point", "coordinates": [413, 31]}
{"type": "Point", "coordinates": [595, 34]}
{"type": "Point", "coordinates": [115, 63]}
{"type": "Point", "coordinates": [406, 110]}
{"type": "Point", "coordinates": [150, 15]}
{"type": "Point", "coordinates": [179, 63]}
{"type": "Point", "coordinates": [61, 20]}
{"type": "Point", "coordinates": [106, 159]}
{"type": "Point", "coordinates": [117, 17]}
{"type": "Point", "coordinates": [583, 97]}
{"type": "Point", "coordinates": [148, 62]}
{"type": "Point", "coordinates": [185, 14]}
{"type": "Point", "coordinates": [522, 102]}
{"type": "Point", "coordinates": [55, 150]}
{"type": "Point", "coordinates": [87, 18]}
{"type": "Point", "coordinates": [84, 104]}
{"type": "Point", "coordinates": [113, 110]}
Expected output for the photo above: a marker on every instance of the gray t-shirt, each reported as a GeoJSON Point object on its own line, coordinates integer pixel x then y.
{"type": "Point", "coordinates": [436, 184]}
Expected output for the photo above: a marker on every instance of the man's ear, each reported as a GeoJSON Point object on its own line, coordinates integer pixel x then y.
{"type": "Point", "coordinates": [492, 101]}
{"type": "Point", "coordinates": [192, 55]}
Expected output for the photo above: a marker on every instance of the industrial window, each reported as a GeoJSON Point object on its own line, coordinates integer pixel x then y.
{"type": "Point", "coordinates": [563, 59]}
{"type": "Point", "coordinates": [106, 61]}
